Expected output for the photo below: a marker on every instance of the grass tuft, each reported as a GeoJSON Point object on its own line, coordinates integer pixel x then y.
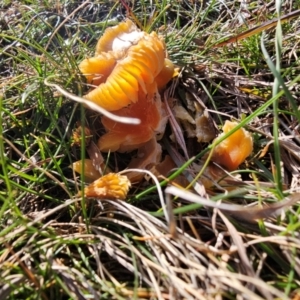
{"type": "Point", "coordinates": [238, 238]}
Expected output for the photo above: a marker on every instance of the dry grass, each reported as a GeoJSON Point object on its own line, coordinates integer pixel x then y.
{"type": "Point", "coordinates": [238, 239]}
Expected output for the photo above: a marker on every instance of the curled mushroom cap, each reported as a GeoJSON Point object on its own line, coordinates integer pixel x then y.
{"type": "Point", "coordinates": [233, 151]}
{"type": "Point", "coordinates": [126, 60]}
{"type": "Point", "coordinates": [128, 69]}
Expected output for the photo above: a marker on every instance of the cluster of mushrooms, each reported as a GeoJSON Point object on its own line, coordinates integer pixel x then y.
{"type": "Point", "coordinates": [129, 70]}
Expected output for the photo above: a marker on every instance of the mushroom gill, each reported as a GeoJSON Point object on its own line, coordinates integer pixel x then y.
{"type": "Point", "coordinates": [110, 186]}
{"type": "Point", "coordinates": [128, 69]}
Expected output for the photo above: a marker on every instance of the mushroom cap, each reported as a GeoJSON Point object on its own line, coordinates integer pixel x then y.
{"type": "Point", "coordinates": [233, 151]}
{"type": "Point", "coordinates": [126, 60]}
{"type": "Point", "coordinates": [91, 170]}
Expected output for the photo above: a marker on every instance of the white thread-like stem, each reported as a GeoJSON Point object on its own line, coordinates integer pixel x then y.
{"type": "Point", "coordinates": [91, 105]}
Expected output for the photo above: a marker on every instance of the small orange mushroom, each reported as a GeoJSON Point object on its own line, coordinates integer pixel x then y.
{"type": "Point", "coordinates": [233, 151]}
{"type": "Point", "coordinates": [91, 172]}
{"type": "Point", "coordinates": [111, 186]}
{"type": "Point", "coordinates": [128, 69]}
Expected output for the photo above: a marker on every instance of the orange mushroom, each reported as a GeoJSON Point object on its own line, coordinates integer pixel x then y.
{"type": "Point", "coordinates": [111, 186]}
{"type": "Point", "coordinates": [128, 69]}
{"type": "Point", "coordinates": [91, 172]}
{"type": "Point", "coordinates": [233, 151]}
